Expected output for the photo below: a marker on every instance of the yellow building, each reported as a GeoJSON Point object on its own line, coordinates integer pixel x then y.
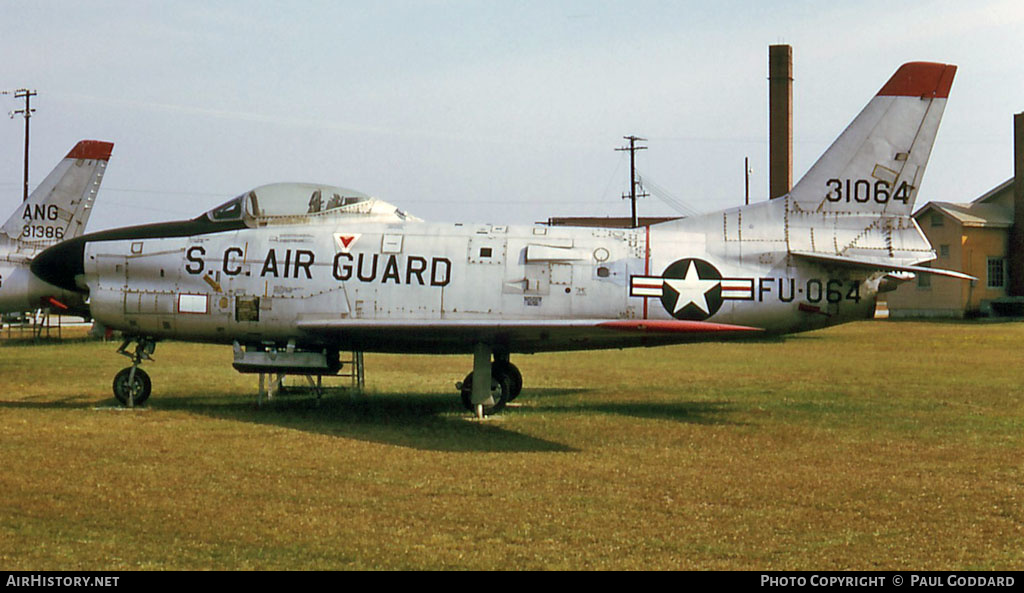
{"type": "Point", "coordinates": [971, 238]}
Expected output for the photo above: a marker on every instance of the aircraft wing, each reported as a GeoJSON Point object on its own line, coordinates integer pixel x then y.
{"type": "Point", "coordinates": [880, 264]}
{"type": "Point", "coordinates": [516, 335]}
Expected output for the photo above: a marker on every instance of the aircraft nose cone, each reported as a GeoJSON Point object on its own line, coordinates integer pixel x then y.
{"type": "Point", "coordinates": [61, 263]}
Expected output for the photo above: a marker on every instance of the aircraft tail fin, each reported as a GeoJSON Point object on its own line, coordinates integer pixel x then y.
{"type": "Point", "coordinates": [60, 206]}
{"type": "Point", "coordinates": [876, 164]}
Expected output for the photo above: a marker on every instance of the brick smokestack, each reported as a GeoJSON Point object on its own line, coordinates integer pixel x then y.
{"type": "Point", "coordinates": [1015, 253]}
{"type": "Point", "coordinates": [780, 120]}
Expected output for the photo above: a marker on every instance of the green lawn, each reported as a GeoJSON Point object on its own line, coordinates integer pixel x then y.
{"type": "Point", "coordinates": [875, 445]}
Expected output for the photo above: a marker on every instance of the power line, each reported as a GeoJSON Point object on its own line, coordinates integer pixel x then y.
{"type": "Point", "coordinates": [665, 196]}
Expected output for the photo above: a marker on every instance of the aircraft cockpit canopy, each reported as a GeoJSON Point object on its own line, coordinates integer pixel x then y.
{"type": "Point", "coordinates": [296, 203]}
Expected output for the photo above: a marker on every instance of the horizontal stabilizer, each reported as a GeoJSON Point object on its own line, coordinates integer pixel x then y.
{"type": "Point", "coordinates": [879, 264]}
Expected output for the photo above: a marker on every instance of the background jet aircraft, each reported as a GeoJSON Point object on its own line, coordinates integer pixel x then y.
{"type": "Point", "coordinates": [56, 210]}
{"type": "Point", "coordinates": [291, 274]}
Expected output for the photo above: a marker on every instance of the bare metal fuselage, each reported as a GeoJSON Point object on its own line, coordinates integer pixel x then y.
{"type": "Point", "coordinates": [259, 285]}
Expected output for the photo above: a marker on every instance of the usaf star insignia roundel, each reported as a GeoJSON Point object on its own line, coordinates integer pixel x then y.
{"type": "Point", "coordinates": [691, 289]}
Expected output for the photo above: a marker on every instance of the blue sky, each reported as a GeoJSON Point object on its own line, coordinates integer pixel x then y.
{"type": "Point", "coordinates": [483, 111]}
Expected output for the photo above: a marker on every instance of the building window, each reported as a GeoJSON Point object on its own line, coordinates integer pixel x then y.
{"type": "Point", "coordinates": [944, 250]}
{"type": "Point", "coordinates": [924, 280]}
{"type": "Point", "coordinates": [937, 219]}
{"type": "Point", "coordinates": [996, 272]}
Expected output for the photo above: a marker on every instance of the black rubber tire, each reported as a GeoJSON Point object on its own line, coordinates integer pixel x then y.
{"type": "Point", "coordinates": [515, 378]}
{"type": "Point", "coordinates": [499, 392]}
{"type": "Point", "coordinates": [140, 390]}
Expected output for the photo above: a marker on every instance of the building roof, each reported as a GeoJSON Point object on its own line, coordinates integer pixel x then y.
{"type": "Point", "coordinates": [610, 222]}
{"type": "Point", "coordinates": [976, 215]}
{"type": "Point", "coordinates": [994, 209]}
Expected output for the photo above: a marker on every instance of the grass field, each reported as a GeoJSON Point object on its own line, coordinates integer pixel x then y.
{"type": "Point", "coordinates": [875, 445]}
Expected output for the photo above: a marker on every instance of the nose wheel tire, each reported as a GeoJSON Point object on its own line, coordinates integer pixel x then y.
{"type": "Point", "coordinates": [138, 389]}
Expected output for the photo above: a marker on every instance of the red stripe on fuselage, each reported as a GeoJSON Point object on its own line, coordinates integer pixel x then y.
{"type": "Point", "coordinates": [647, 259]}
{"type": "Point", "coordinates": [676, 326]}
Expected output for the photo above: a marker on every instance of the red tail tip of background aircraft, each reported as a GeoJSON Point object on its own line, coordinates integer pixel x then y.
{"type": "Point", "coordinates": [92, 149]}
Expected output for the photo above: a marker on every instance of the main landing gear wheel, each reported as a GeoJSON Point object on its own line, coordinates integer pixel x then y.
{"type": "Point", "coordinates": [135, 389]}
{"type": "Point", "coordinates": [500, 393]}
{"type": "Point", "coordinates": [504, 368]}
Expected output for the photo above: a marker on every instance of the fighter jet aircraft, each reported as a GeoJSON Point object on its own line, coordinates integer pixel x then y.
{"type": "Point", "coordinates": [57, 209]}
{"type": "Point", "coordinates": [290, 274]}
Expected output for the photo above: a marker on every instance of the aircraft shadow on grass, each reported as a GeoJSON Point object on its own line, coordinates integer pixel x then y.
{"type": "Point", "coordinates": [683, 412]}
{"type": "Point", "coordinates": [430, 421]}
{"type": "Point", "coordinates": [424, 421]}
{"type": "Point", "coordinates": [416, 420]}
{"type": "Point", "coordinates": [47, 403]}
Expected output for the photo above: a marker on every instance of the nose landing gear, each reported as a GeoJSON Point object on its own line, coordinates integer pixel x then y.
{"type": "Point", "coordinates": [132, 385]}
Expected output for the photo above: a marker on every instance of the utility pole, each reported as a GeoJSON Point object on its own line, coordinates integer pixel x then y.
{"type": "Point", "coordinates": [27, 112]}
{"type": "Point", "coordinates": [633, 181]}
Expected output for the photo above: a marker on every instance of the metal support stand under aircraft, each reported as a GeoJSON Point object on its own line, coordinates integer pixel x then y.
{"type": "Point", "coordinates": [315, 381]}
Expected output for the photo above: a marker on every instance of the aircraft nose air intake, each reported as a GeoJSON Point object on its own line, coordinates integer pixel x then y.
{"type": "Point", "coordinates": [60, 264]}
